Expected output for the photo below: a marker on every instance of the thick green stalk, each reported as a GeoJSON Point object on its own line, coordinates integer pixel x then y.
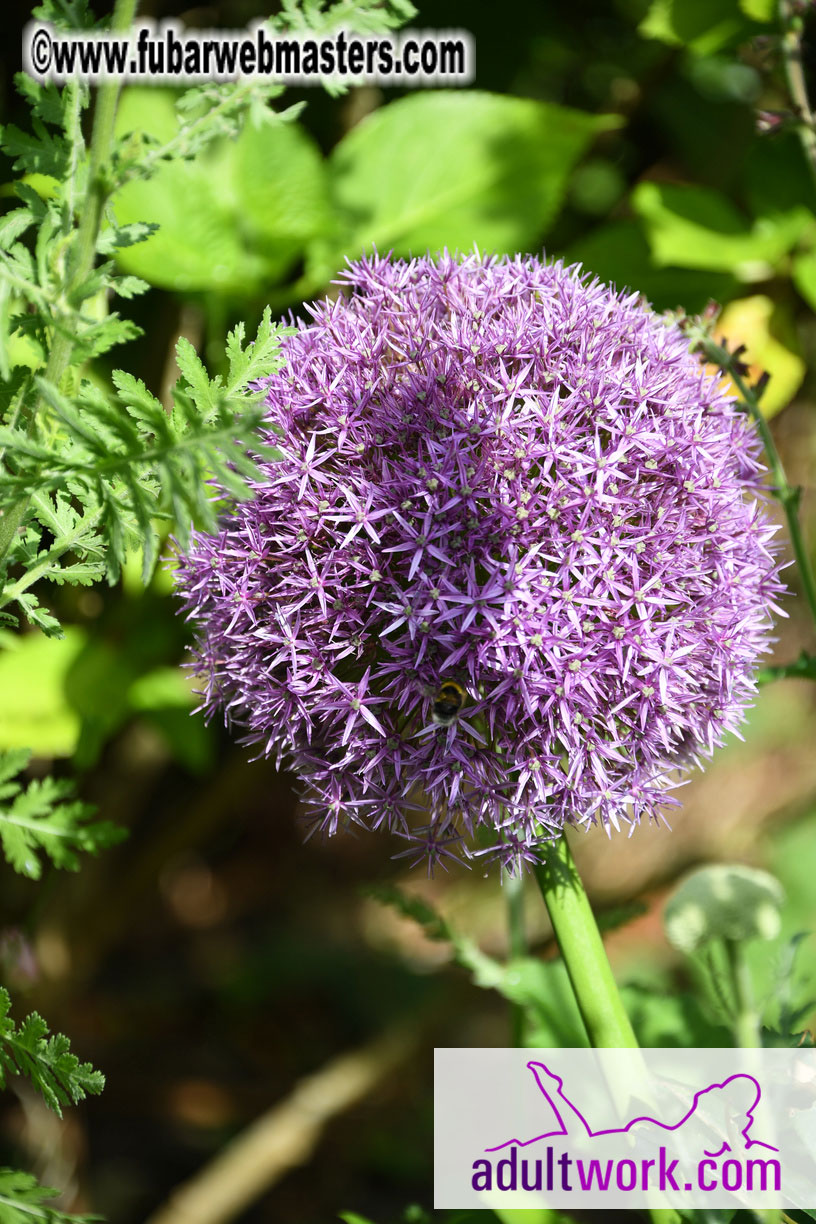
{"type": "Point", "coordinates": [582, 950]}
{"type": "Point", "coordinates": [579, 940]}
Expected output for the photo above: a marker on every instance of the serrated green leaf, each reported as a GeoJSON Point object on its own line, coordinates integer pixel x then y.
{"type": "Point", "coordinates": [45, 1060]}
{"type": "Point", "coordinates": [116, 237]}
{"type": "Point", "coordinates": [13, 224]}
{"type": "Point", "coordinates": [45, 99]}
{"type": "Point", "coordinates": [197, 379]}
{"type": "Point", "coordinates": [101, 336]}
{"type": "Point", "coordinates": [24, 1201]}
{"type": "Point", "coordinates": [11, 763]}
{"type": "Point", "coordinates": [257, 359]}
{"type": "Point", "coordinates": [38, 616]}
{"type": "Point", "coordinates": [129, 286]}
{"type": "Point", "coordinates": [39, 152]}
{"type": "Point", "coordinates": [365, 18]}
{"type": "Point", "coordinates": [129, 462]}
{"type": "Point", "coordinates": [139, 402]}
{"type": "Point", "coordinates": [45, 819]}
{"type": "Point", "coordinates": [73, 534]}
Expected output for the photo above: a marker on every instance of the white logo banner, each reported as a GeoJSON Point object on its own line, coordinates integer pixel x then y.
{"type": "Point", "coordinates": [625, 1128]}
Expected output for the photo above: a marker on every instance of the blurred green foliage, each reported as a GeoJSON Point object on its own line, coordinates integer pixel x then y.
{"type": "Point", "coordinates": [620, 134]}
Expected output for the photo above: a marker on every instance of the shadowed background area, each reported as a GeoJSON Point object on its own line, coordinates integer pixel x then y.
{"type": "Point", "coordinates": [213, 962]}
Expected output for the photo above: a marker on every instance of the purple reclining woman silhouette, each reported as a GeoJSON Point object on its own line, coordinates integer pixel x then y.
{"type": "Point", "coordinates": [719, 1119]}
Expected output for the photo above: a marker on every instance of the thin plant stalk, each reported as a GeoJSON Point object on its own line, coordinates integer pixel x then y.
{"type": "Point", "coordinates": [791, 44]}
{"type": "Point", "coordinates": [745, 1017]}
{"type": "Point", "coordinates": [746, 1024]}
{"type": "Point", "coordinates": [786, 494]}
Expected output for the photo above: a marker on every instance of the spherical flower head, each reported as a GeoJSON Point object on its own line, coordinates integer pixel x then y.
{"type": "Point", "coordinates": [501, 476]}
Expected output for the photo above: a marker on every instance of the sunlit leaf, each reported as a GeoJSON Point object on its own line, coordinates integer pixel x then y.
{"type": "Point", "coordinates": [704, 26]}
{"type": "Point", "coordinates": [695, 227]}
{"type": "Point", "coordinates": [236, 215]}
{"type": "Point", "coordinates": [619, 254]}
{"type": "Point", "coordinates": [35, 712]}
{"type": "Point", "coordinates": [447, 169]}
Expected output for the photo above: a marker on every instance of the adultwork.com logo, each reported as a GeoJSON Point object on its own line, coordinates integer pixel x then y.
{"type": "Point", "coordinates": [623, 1128]}
{"type": "Point", "coordinates": [718, 1126]}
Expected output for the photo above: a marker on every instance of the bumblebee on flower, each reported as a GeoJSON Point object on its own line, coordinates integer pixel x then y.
{"type": "Point", "coordinates": [447, 703]}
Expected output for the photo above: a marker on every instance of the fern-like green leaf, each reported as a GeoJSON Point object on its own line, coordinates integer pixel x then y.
{"type": "Point", "coordinates": [24, 1201]}
{"type": "Point", "coordinates": [199, 385]}
{"type": "Point", "coordinates": [44, 819]}
{"type": "Point", "coordinates": [126, 462]}
{"type": "Point", "coordinates": [37, 152]}
{"type": "Point", "coordinates": [249, 362]}
{"type": "Point", "coordinates": [45, 1060]}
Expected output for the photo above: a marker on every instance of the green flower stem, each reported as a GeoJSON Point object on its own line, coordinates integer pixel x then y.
{"type": "Point", "coordinates": [582, 950]}
{"type": "Point", "coordinates": [83, 249]}
{"type": "Point", "coordinates": [513, 886]}
{"type": "Point", "coordinates": [581, 946]}
{"type": "Point", "coordinates": [82, 254]}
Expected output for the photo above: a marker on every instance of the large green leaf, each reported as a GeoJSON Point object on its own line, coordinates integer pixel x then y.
{"type": "Point", "coordinates": [199, 243]}
{"type": "Point", "coordinates": [804, 276]}
{"type": "Point", "coordinates": [282, 185]}
{"type": "Point", "coordinates": [35, 712]}
{"type": "Point", "coordinates": [454, 169]}
{"type": "Point", "coordinates": [232, 218]}
{"type": "Point", "coordinates": [696, 227]}
{"type": "Point", "coordinates": [618, 252]}
{"type": "Point", "coordinates": [704, 26]}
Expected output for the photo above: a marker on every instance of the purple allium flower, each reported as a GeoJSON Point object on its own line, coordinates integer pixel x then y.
{"type": "Point", "coordinates": [499, 473]}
